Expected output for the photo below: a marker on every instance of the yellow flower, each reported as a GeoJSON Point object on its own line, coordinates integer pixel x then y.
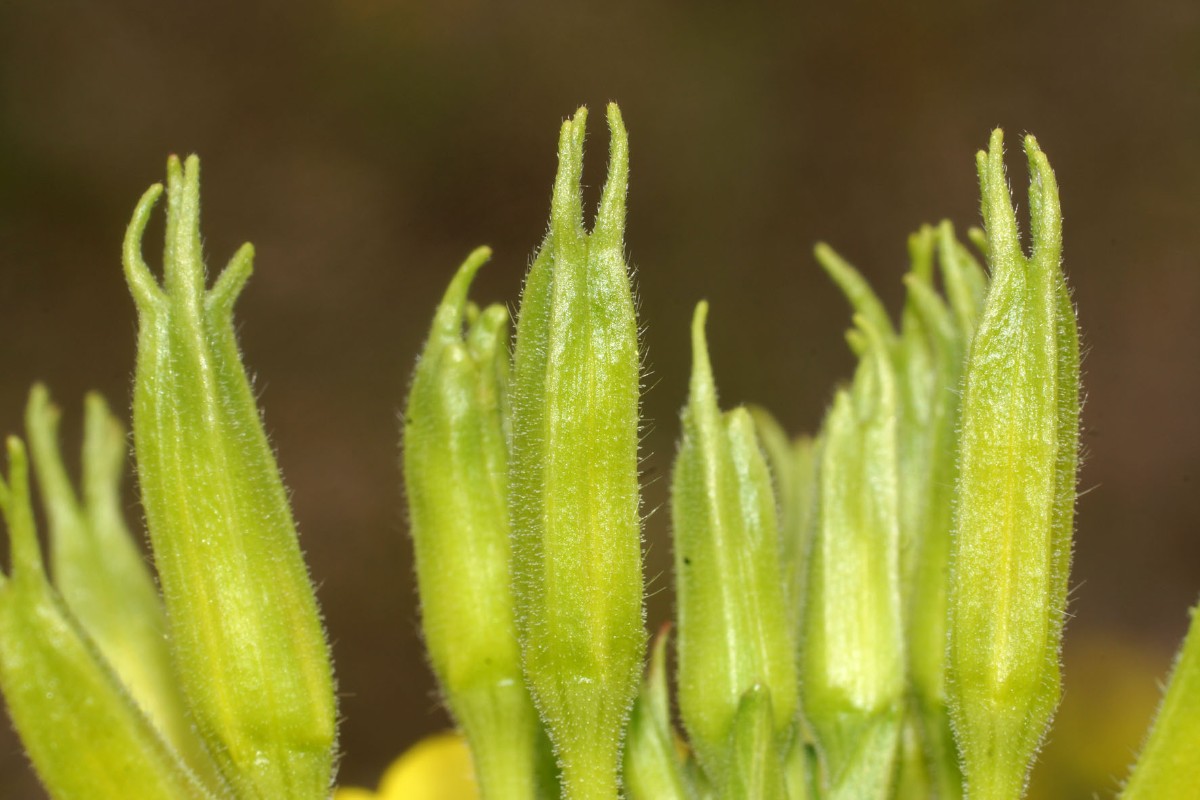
{"type": "Point", "coordinates": [436, 768]}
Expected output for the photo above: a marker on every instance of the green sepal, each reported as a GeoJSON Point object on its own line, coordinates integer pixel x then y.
{"type": "Point", "coordinates": [456, 477]}
{"type": "Point", "coordinates": [1168, 766]}
{"type": "Point", "coordinates": [927, 585]}
{"type": "Point", "coordinates": [574, 493]}
{"type": "Point", "coordinates": [84, 733]}
{"type": "Point", "coordinates": [735, 631]}
{"type": "Point", "coordinates": [653, 767]}
{"type": "Point", "coordinates": [1015, 493]}
{"type": "Point", "coordinates": [245, 632]}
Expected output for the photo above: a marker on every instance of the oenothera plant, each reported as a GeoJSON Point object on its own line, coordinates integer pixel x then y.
{"type": "Point", "coordinates": [872, 612]}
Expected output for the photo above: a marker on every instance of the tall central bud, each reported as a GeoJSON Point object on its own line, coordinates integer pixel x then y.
{"type": "Point", "coordinates": [574, 495]}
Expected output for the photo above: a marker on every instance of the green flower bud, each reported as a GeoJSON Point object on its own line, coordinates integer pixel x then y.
{"type": "Point", "coordinates": [84, 733]}
{"type": "Point", "coordinates": [456, 476]}
{"type": "Point", "coordinates": [927, 356]}
{"type": "Point", "coordinates": [653, 768]}
{"type": "Point", "coordinates": [1168, 766]}
{"type": "Point", "coordinates": [916, 391]}
{"type": "Point", "coordinates": [574, 492]}
{"type": "Point", "coordinates": [1016, 491]}
{"type": "Point", "coordinates": [735, 632]}
{"type": "Point", "coordinates": [853, 676]}
{"type": "Point", "coordinates": [246, 637]}
{"type": "Point", "coordinates": [99, 571]}
{"type": "Point", "coordinates": [927, 576]}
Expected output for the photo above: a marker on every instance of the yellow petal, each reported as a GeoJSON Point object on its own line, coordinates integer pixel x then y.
{"type": "Point", "coordinates": [435, 768]}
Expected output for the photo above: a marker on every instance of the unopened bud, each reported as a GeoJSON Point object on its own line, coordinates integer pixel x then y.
{"type": "Point", "coordinates": [246, 636]}
{"type": "Point", "coordinates": [577, 554]}
{"type": "Point", "coordinates": [735, 632]}
{"type": "Point", "coordinates": [1015, 495]}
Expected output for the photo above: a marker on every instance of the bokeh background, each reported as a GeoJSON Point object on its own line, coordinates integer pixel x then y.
{"type": "Point", "coordinates": [366, 146]}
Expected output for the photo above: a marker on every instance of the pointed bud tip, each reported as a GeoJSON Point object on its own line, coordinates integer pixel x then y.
{"type": "Point", "coordinates": [615, 121]}
{"type": "Point", "coordinates": [448, 319]}
{"type": "Point", "coordinates": [701, 367]}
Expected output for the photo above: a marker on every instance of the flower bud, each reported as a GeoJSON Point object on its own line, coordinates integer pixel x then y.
{"type": "Point", "coordinates": [926, 356]}
{"type": "Point", "coordinates": [1015, 494]}
{"type": "Point", "coordinates": [853, 671]}
{"type": "Point", "coordinates": [456, 476]}
{"type": "Point", "coordinates": [84, 733]}
{"type": "Point", "coordinates": [574, 495]}
{"type": "Point", "coordinates": [735, 632]}
{"type": "Point", "coordinates": [926, 573]}
{"type": "Point", "coordinates": [246, 636]}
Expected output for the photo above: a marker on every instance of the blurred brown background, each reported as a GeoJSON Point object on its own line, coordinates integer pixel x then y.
{"type": "Point", "coordinates": [366, 146]}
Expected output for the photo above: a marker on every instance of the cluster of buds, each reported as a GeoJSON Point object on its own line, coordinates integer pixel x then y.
{"type": "Point", "coordinates": [554, 459]}
{"type": "Point", "coordinates": [872, 612]}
